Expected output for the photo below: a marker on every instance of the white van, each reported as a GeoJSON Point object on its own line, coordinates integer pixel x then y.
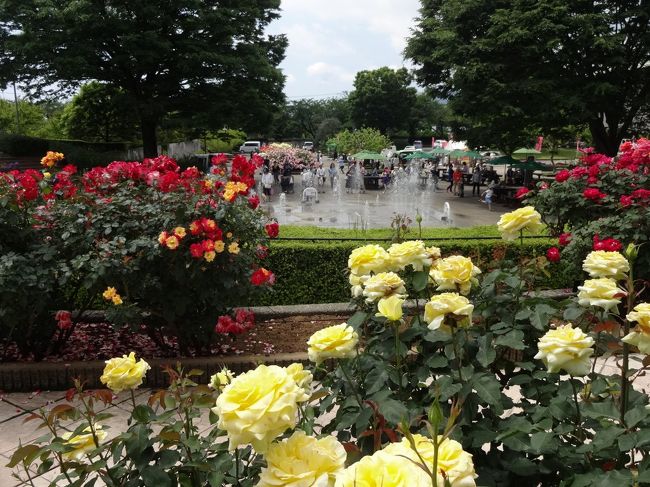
{"type": "Point", "coordinates": [250, 146]}
{"type": "Point", "coordinates": [308, 145]}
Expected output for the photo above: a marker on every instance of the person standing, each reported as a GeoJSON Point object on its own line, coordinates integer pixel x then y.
{"type": "Point", "coordinates": [457, 181]}
{"type": "Point", "coordinates": [267, 184]}
{"type": "Point", "coordinates": [342, 163]}
{"type": "Point", "coordinates": [450, 176]}
{"type": "Point", "coordinates": [320, 178]}
{"type": "Point", "coordinates": [476, 180]}
{"type": "Point", "coordinates": [332, 174]}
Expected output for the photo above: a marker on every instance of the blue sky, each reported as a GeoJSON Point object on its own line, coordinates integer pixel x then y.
{"type": "Point", "coordinates": [330, 40]}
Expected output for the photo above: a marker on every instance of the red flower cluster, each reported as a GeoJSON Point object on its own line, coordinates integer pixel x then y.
{"type": "Point", "coordinates": [564, 239]}
{"type": "Point", "coordinates": [609, 244]}
{"type": "Point", "coordinates": [563, 175]}
{"type": "Point", "coordinates": [553, 254]}
{"type": "Point", "coordinates": [262, 276]}
{"type": "Point", "coordinates": [254, 201]}
{"type": "Point", "coordinates": [64, 319]}
{"type": "Point", "coordinates": [635, 156]}
{"type": "Point", "coordinates": [243, 321]}
{"type": "Point", "coordinates": [638, 196]}
{"type": "Point", "coordinates": [521, 193]}
{"type": "Point", "coordinates": [272, 229]}
{"type": "Point", "coordinates": [243, 170]}
{"type": "Point", "coordinates": [593, 194]}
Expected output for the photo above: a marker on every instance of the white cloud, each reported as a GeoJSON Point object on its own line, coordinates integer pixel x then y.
{"type": "Point", "coordinates": [328, 72]}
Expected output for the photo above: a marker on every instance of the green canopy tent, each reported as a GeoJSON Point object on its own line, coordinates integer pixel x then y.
{"type": "Point", "coordinates": [439, 151]}
{"type": "Point", "coordinates": [457, 153]}
{"type": "Point", "coordinates": [420, 155]}
{"type": "Point", "coordinates": [502, 161]}
{"type": "Point", "coordinates": [367, 155]}
{"type": "Point", "coordinates": [473, 154]}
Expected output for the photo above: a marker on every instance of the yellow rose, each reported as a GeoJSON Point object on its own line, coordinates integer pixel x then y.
{"type": "Point", "coordinates": [411, 253]}
{"type": "Point", "coordinates": [601, 292]}
{"type": "Point", "coordinates": [434, 253]}
{"type": "Point", "coordinates": [367, 259]}
{"type": "Point", "coordinates": [301, 377]}
{"type": "Point", "coordinates": [526, 218]}
{"type": "Point", "coordinates": [445, 304]}
{"type": "Point", "coordinates": [117, 300]}
{"type": "Point", "coordinates": [258, 406]}
{"type": "Point", "coordinates": [221, 379]}
{"type": "Point", "coordinates": [233, 248]}
{"type": "Point", "coordinates": [162, 238]}
{"type": "Point", "coordinates": [82, 443]}
{"type": "Point", "coordinates": [566, 348]}
{"type": "Point", "coordinates": [47, 175]}
{"type": "Point", "coordinates": [382, 285]}
{"type": "Point", "coordinates": [454, 463]}
{"type": "Point", "coordinates": [356, 285]}
{"type": "Point", "coordinates": [109, 293]}
{"type": "Point", "coordinates": [640, 337]}
{"type": "Point", "coordinates": [384, 469]}
{"type": "Point", "coordinates": [601, 263]}
{"type": "Point", "coordinates": [455, 273]}
{"type": "Point", "coordinates": [338, 341]}
{"type": "Point", "coordinates": [390, 308]}
{"type": "Point", "coordinates": [209, 255]}
{"type": "Point", "coordinates": [180, 232]}
{"type": "Point", "coordinates": [124, 372]}
{"type": "Point", "coordinates": [219, 246]}
{"type": "Point", "coordinates": [302, 460]}
{"type": "Point", "coordinates": [171, 243]}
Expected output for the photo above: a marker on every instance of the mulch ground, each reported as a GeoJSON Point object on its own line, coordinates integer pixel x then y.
{"type": "Point", "coordinates": [101, 341]}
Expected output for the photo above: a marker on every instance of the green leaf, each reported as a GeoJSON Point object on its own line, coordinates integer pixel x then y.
{"type": "Point", "coordinates": [358, 319]}
{"type": "Point", "coordinates": [154, 476]}
{"type": "Point", "coordinates": [633, 416]}
{"type": "Point", "coordinates": [489, 389]}
{"type": "Point", "coordinates": [513, 339]}
{"type": "Point", "coordinates": [376, 379]}
{"type": "Point", "coordinates": [447, 387]}
{"type": "Point", "coordinates": [142, 413]}
{"type": "Point", "coordinates": [420, 280]}
{"type": "Point", "coordinates": [541, 315]}
{"type": "Point", "coordinates": [486, 353]}
{"type": "Point", "coordinates": [394, 411]}
{"type": "Point", "coordinates": [23, 453]}
{"type": "Point", "coordinates": [543, 442]}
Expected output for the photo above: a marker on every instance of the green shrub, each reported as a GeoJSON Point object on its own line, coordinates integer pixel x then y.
{"type": "Point", "coordinates": [22, 145]}
{"type": "Point", "coordinates": [315, 272]}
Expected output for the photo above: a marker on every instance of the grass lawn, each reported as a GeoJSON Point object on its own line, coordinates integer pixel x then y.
{"type": "Point", "coordinates": [562, 154]}
{"type": "Point", "coordinates": [460, 233]}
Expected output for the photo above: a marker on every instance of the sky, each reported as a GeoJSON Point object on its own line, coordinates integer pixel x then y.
{"type": "Point", "coordinates": [330, 40]}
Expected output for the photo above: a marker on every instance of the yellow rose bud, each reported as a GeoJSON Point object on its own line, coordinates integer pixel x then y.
{"type": "Point", "coordinates": [455, 273]}
{"type": "Point", "coordinates": [233, 248]}
{"type": "Point", "coordinates": [356, 285]}
{"type": "Point", "coordinates": [640, 337]}
{"type": "Point", "coordinates": [511, 224]}
{"type": "Point", "coordinates": [384, 469]}
{"type": "Point", "coordinates": [229, 235]}
{"type": "Point", "coordinates": [601, 292]}
{"type": "Point", "coordinates": [302, 377]}
{"type": "Point", "coordinates": [601, 263]}
{"type": "Point", "coordinates": [409, 254]}
{"type": "Point", "coordinates": [390, 308]}
{"type": "Point", "coordinates": [109, 293]}
{"type": "Point", "coordinates": [171, 243]}
{"type": "Point", "coordinates": [81, 443]}
{"type": "Point", "coordinates": [117, 300]}
{"type": "Point", "coordinates": [454, 463]}
{"type": "Point", "coordinates": [221, 379]}
{"type": "Point", "coordinates": [367, 259]}
{"type": "Point", "coordinates": [124, 372]}
{"type": "Point", "coordinates": [47, 175]}
{"type": "Point", "coordinates": [219, 246]}
{"type": "Point", "coordinates": [445, 304]}
{"type": "Point", "coordinates": [209, 255]}
{"type": "Point", "coordinates": [180, 232]}
{"type": "Point", "coordinates": [383, 285]}
{"type": "Point", "coordinates": [338, 341]}
{"type": "Point", "coordinates": [302, 460]}
{"type": "Point", "coordinates": [258, 406]}
{"type": "Point", "coordinates": [566, 348]}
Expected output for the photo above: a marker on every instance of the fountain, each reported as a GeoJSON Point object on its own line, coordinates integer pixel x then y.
{"type": "Point", "coordinates": [446, 213]}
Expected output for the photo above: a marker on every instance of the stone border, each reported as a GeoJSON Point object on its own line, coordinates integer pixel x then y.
{"type": "Point", "coordinates": [53, 376]}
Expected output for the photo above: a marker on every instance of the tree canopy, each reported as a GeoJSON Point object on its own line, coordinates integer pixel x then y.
{"type": "Point", "coordinates": [382, 99]}
{"type": "Point", "coordinates": [352, 141]}
{"type": "Point", "coordinates": [508, 65]}
{"type": "Point", "coordinates": [206, 59]}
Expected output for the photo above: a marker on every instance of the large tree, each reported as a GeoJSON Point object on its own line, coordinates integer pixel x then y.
{"type": "Point", "coordinates": [382, 99]}
{"type": "Point", "coordinates": [205, 57]}
{"type": "Point", "coordinates": [312, 119]}
{"type": "Point", "coordinates": [508, 65]}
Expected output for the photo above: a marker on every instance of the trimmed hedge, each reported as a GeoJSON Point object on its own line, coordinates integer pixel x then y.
{"type": "Point", "coordinates": [293, 231]}
{"type": "Point", "coordinates": [316, 272]}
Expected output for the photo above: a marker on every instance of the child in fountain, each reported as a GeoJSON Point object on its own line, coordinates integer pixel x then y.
{"type": "Point", "coordinates": [487, 197]}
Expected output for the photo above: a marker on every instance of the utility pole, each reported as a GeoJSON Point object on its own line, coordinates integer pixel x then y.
{"type": "Point", "coordinates": [17, 113]}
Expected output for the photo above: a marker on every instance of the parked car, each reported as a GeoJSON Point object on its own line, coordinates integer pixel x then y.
{"type": "Point", "coordinates": [250, 147]}
{"type": "Point", "coordinates": [409, 148]}
{"type": "Point", "coordinates": [308, 145]}
{"type": "Point", "coordinates": [417, 144]}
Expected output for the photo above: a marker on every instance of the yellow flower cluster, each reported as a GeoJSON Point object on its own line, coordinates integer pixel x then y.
{"type": "Point", "coordinates": [302, 460]}
{"type": "Point", "coordinates": [51, 158]}
{"type": "Point", "coordinates": [602, 292]}
{"type": "Point", "coordinates": [221, 379]}
{"type": "Point", "coordinates": [455, 273]}
{"type": "Point", "coordinates": [601, 263]}
{"type": "Point", "coordinates": [123, 373]}
{"type": "Point", "coordinates": [258, 406]}
{"type": "Point", "coordinates": [512, 224]}
{"type": "Point", "coordinates": [110, 294]}
{"type": "Point", "coordinates": [81, 443]}
{"type": "Point", "coordinates": [337, 341]}
{"type": "Point", "coordinates": [232, 189]}
{"type": "Point", "coordinates": [566, 348]}
{"type": "Point", "coordinates": [447, 304]}
{"type": "Point", "coordinates": [640, 337]}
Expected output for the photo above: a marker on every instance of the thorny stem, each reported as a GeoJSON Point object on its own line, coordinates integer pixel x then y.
{"type": "Point", "coordinates": [354, 389]}
{"type": "Point", "coordinates": [457, 353]}
{"type": "Point", "coordinates": [625, 384]}
{"type": "Point", "coordinates": [578, 415]}
{"type": "Point", "coordinates": [398, 362]}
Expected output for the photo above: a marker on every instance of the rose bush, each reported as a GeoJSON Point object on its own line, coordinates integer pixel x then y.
{"type": "Point", "coordinates": [174, 251]}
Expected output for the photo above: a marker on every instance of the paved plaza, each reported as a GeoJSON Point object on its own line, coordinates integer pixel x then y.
{"type": "Point", "coordinates": [375, 208]}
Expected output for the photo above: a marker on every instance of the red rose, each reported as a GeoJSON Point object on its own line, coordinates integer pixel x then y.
{"type": "Point", "coordinates": [196, 249]}
{"type": "Point", "coordinates": [245, 317]}
{"type": "Point", "coordinates": [553, 254]}
{"type": "Point", "coordinates": [564, 239]}
{"type": "Point", "coordinates": [225, 324]}
{"type": "Point", "coordinates": [593, 194]}
{"type": "Point", "coordinates": [272, 229]}
{"type": "Point", "coordinates": [563, 175]}
{"type": "Point", "coordinates": [612, 245]}
{"type": "Point", "coordinates": [219, 159]}
{"type": "Point", "coordinates": [262, 276]}
{"type": "Point", "coordinates": [254, 201]}
{"type": "Point", "coordinates": [626, 201]}
{"type": "Point", "coordinates": [521, 193]}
